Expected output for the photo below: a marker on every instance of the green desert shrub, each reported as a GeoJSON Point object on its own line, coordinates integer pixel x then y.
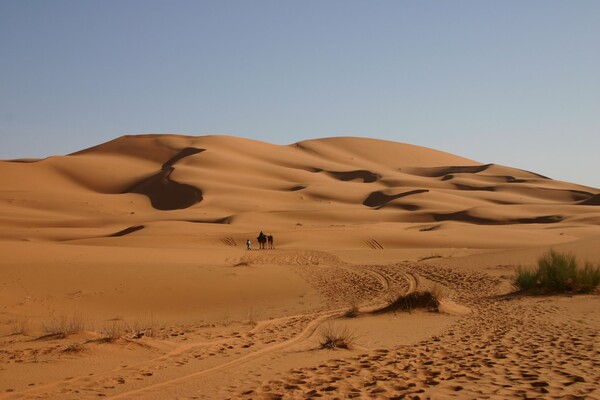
{"type": "Point", "coordinates": [526, 278]}
{"type": "Point", "coordinates": [557, 272]}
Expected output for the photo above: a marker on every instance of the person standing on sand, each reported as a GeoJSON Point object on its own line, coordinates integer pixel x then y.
{"type": "Point", "coordinates": [248, 244]}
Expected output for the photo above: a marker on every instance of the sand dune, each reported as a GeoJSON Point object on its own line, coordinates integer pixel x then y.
{"type": "Point", "coordinates": [125, 273]}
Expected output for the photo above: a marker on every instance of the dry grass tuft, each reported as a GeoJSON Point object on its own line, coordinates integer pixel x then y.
{"type": "Point", "coordinates": [334, 337]}
{"type": "Point", "coordinates": [252, 317]}
{"type": "Point", "coordinates": [62, 327]}
{"type": "Point", "coordinates": [113, 331]}
{"type": "Point", "coordinates": [140, 328]}
{"type": "Point", "coordinates": [20, 327]}
{"type": "Point", "coordinates": [416, 300]}
{"type": "Point", "coordinates": [73, 348]}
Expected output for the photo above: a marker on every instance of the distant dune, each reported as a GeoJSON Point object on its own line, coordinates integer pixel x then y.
{"type": "Point", "coordinates": [140, 180]}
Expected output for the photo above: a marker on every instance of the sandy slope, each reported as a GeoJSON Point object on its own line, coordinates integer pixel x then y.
{"type": "Point", "coordinates": [146, 234]}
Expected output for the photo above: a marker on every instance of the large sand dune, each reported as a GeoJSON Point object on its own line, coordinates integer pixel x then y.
{"type": "Point", "coordinates": [146, 234]}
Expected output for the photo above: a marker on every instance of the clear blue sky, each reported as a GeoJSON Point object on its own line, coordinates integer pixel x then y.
{"type": "Point", "coordinates": [509, 82]}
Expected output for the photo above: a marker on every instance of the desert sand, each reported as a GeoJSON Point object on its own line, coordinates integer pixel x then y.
{"type": "Point", "coordinates": [125, 274]}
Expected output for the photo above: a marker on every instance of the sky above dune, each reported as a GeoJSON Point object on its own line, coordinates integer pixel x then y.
{"type": "Point", "coordinates": [507, 82]}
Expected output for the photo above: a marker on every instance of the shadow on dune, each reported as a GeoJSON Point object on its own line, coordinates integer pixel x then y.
{"type": "Point", "coordinates": [163, 192]}
{"type": "Point", "coordinates": [366, 176]}
{"type": "Point", "coordinates": [592, 201]}
{"type": "Point", "coordinates": [580, 195]}
{"type": "Point", "coordinates": [469, 187]}
{"type": "Point", "coordinates": [436, 172]}
{"type": "Point", "coordinates": [464, 216]}
{"type": "Point", "coordinates": [379, 199]}
{"type": "Point", "coordinates": [449, 171]}
{"type": "Point", "coordinates": [127, 231]}
{"type": "Point", "coordinates": [24, 160]}
{"type": "Point", "coordinates": [224, 220]}
{"type": "Point", "coordinates": [361, 174]}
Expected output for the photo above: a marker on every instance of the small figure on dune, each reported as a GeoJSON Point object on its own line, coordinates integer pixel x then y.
{"type": "Point", "coordinates": [248, 244]}
{"type": "Point", "coordinates": [270, 241]}
{"type": "Point", "coordinates": [262, 239]}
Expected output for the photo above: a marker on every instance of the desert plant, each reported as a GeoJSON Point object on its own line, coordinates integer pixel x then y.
{"type": "Point", "coordinates": [334, 337]}
{"type": "Point", "coordinates": [112, 331]}
{"type": "Point", "coordinates": [20, 327]}
{"type": "Point", "coordinates": [63, 326]}
{"type": "Point", "coordinates": [144, 326]}
{"type": "Point", "coordinates": [557, 273]}
{"type": "Point", "coordinates": [73, 348]}
{"type": "Point", "coordinates": [589, 277]}
{"type": "Point", "coordinates": [525, 278]}
{"type": "Point", "coordinates": [252, 317]}
{"type": "Point", "coordinates": [408, 302]}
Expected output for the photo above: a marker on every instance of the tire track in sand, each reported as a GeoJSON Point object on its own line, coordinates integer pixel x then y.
{"type": "Point", "coordinates": [385, 281]}
{"type": "Point", "coordinates": [324, 271]}
{"type": "Point", "coordinates": [507, 348]}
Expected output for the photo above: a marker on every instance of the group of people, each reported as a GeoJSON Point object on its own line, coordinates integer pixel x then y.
{"type": "Point", "coordinates": [263, 241]}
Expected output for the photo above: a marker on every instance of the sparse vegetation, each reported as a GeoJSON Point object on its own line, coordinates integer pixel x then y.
{"type": "Point", "coordinates": [556, 273]}
{"type": "Point", "coordinates": [20, 327]}
{"type": "Point", "coordinates": [252, 317]}
{"type": "Point", "coordinates": [63, 326]}
{"type": "Point", "coordinates": [334, 337]}
{"type": "Point", "coordinates": [140, 328]}
{"type": "Point", "coordinates": [73, 348]}
{"type": "Point", "coordinates": [525, 279]}
{"type": "Point", "coordinates": [112, 331]}
{"type": "Point", "coordinates": [407, 302]}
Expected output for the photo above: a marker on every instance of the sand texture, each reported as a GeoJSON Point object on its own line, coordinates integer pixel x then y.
{"type": "Point", "coordinates": [125, 275]}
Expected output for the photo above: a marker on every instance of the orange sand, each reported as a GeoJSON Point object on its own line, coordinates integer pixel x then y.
{"type": "Point", "coordinates": [146, 235]}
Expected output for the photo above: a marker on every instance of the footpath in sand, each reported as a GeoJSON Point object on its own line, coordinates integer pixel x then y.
{"type": "Point", "coordinates": [508, 347]}
{"type": "Point", "coordinates": [503, 346]}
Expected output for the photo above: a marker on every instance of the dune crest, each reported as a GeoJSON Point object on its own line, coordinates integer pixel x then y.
{"type": "Point", "coordinates": [241, 180]}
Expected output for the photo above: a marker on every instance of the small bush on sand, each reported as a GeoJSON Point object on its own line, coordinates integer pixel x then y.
{"type": "Point", "coordinates": [112, 331]}
{"type": "Point", "coordinates": [408, 302]}
{"type": "Point", "coordinates": [63, 326]}
{"type": "Point", "coordinates": [333, 337]}
{"type": "Point", "coordinates": [137, 329]}
{"type": "Point", "coordinates": [557, 273]}
{"type": "Point", "coordinates": [20, 327]}
{"type": "Point", "coordinates": [525, 279]}
{"type": "Point", "coordinates": [73, 348]}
